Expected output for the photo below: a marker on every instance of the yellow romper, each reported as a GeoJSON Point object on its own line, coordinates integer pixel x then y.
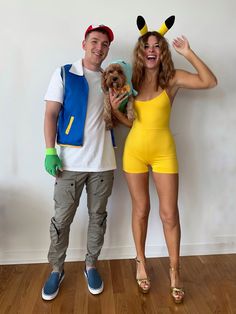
{"type": "Point", "coordinates": [150, 141]}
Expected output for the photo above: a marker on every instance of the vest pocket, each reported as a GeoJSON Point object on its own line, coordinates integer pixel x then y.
{"type": "Point", "coordinates": [69, 125]}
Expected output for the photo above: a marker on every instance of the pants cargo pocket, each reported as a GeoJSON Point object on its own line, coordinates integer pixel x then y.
{"type": "Point", "coordinates": [64, 191]}
{"type": "Point", "coordinates": [104, 184]}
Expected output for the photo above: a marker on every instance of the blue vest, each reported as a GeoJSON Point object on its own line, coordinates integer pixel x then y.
{"type": "Point", "coordinates": [71, 120]}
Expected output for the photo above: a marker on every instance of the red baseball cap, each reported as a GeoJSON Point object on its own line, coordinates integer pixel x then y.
{"type": "Point", "coordinates": [102, 27]}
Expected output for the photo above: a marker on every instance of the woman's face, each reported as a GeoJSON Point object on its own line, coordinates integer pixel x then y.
{"type": "Point", "coordinates": [152, 53]}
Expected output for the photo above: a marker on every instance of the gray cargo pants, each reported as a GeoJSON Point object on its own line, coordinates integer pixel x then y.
{"type": "Point", "coordinates": [67, 192]}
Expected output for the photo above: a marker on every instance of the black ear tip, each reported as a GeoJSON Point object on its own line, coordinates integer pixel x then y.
{"type": "Point", "coordinates": [140, 22]}
{"type": "Point", "coordinates": [170, 21]}
{"type": "Point", "coordinates": [140, 18]}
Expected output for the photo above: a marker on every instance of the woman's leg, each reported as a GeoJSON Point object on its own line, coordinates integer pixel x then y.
{"type": "Point", "coordinates": [167, 189]}
{"type": "Point", "coordinates": [139, 191]}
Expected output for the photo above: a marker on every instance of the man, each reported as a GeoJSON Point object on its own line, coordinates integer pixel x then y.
{"type": "Point", "coordinates": [74, 118]}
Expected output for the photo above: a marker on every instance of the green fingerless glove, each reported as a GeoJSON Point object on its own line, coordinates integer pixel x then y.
{"type": "Point", "coordinates": [52, 162]}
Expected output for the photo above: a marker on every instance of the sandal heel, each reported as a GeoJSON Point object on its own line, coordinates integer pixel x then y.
{"type": "Point", "coordinates": [177, 293]}
{"type": "Point", "coordinates": [144, 284]}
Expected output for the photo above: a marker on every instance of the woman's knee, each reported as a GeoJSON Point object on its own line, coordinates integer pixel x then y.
{"type": "Point", "coordinates": [169, 216]}
{"type": "Point", "coordinates": [141, 211]}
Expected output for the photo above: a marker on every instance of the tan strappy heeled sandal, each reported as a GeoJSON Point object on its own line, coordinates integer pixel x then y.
{"type": "Point", "coordinates": [144, 284]}
{"type": "Point", "coordinates": [177, 293]}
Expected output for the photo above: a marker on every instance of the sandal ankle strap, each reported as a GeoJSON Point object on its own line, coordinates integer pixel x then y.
{"type": "Point", "coordinates": [175, 268]}
{"type": "Point", "coordinates": [139, 260]}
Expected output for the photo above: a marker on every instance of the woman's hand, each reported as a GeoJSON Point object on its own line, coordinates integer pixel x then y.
{"type": "Point", "coordinates": [181, 45]}
{"type": "Point", "coordinates": [116, 99]}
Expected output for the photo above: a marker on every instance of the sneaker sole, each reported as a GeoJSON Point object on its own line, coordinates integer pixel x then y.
{"type": "Point", "coordinates": [94, 291]}
{"type": "Point", "coordinates": [48, 297]}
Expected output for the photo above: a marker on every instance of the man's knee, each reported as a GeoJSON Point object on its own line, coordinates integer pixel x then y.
{"type": "Point", "coordinates": [59, 232]}
{"type": "Point", "coordinates": [98, 219]}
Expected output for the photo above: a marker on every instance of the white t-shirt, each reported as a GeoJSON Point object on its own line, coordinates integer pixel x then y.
{"type": "Point", "coordinates": [97, 152]}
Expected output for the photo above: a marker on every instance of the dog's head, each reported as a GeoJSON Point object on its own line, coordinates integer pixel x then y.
{"type": "Point", "coordinates": [113, 77]}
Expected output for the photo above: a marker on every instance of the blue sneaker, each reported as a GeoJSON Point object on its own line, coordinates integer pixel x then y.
{"type": "Point", "coordinates": [95, 283]}
{"type": "Point", "coordinates": [51, 287]}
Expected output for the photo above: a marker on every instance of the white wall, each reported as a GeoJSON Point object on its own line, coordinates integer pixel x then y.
{"type": "Point", "coordinates": [36, 37]}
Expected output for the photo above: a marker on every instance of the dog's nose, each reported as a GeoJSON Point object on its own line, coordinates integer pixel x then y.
{"type": "Point", "coordinates": [114, 79]}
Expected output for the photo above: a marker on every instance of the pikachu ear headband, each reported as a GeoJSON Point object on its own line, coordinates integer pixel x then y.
{"type": "Point", "coordinates": [143, 29]}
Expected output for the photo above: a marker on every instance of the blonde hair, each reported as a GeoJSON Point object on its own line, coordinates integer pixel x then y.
{"type": "Point", "coordinates": [166, 70]}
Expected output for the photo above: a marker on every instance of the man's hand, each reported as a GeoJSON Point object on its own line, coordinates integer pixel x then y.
{"type": "Point", "coordinates": [52, 162]}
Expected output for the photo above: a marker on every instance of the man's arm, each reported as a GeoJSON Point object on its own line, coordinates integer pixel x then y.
{"type": "Point", "coordinates": [52, 161]}
{"type": "Point", "coordinates": [50, 122]}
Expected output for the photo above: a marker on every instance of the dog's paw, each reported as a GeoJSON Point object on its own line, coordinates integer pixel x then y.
{"type": "Point", "coordinates": [109, 125]}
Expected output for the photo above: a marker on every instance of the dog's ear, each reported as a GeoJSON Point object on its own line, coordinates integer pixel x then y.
{"type": "Point", "coordinates": [104, 85]}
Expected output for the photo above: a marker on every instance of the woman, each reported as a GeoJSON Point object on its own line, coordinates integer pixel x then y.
{"type": "Point", "coordinates": [150, 143]}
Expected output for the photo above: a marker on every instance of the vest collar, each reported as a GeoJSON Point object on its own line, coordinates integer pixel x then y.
{"type": "Point", "coordinates": [77, 68]}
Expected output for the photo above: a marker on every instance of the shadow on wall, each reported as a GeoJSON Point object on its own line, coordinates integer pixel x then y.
{"type": "Point", "coordinates": [195, 125]}
{"type": "Point", "coordinates": [24, 222]}
{"type": "Point", "coordinates": [119, 205]}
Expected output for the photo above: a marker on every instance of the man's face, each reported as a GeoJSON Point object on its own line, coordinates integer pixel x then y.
{"type": "Point", "coordinates": [96, 47]}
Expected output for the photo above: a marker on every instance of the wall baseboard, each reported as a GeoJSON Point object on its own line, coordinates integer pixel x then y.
{"type": "Point", "coordinates": [40, 256]}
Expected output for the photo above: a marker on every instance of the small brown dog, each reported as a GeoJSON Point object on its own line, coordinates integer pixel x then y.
{"type": "Point", "coordinates": [115, 77]}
